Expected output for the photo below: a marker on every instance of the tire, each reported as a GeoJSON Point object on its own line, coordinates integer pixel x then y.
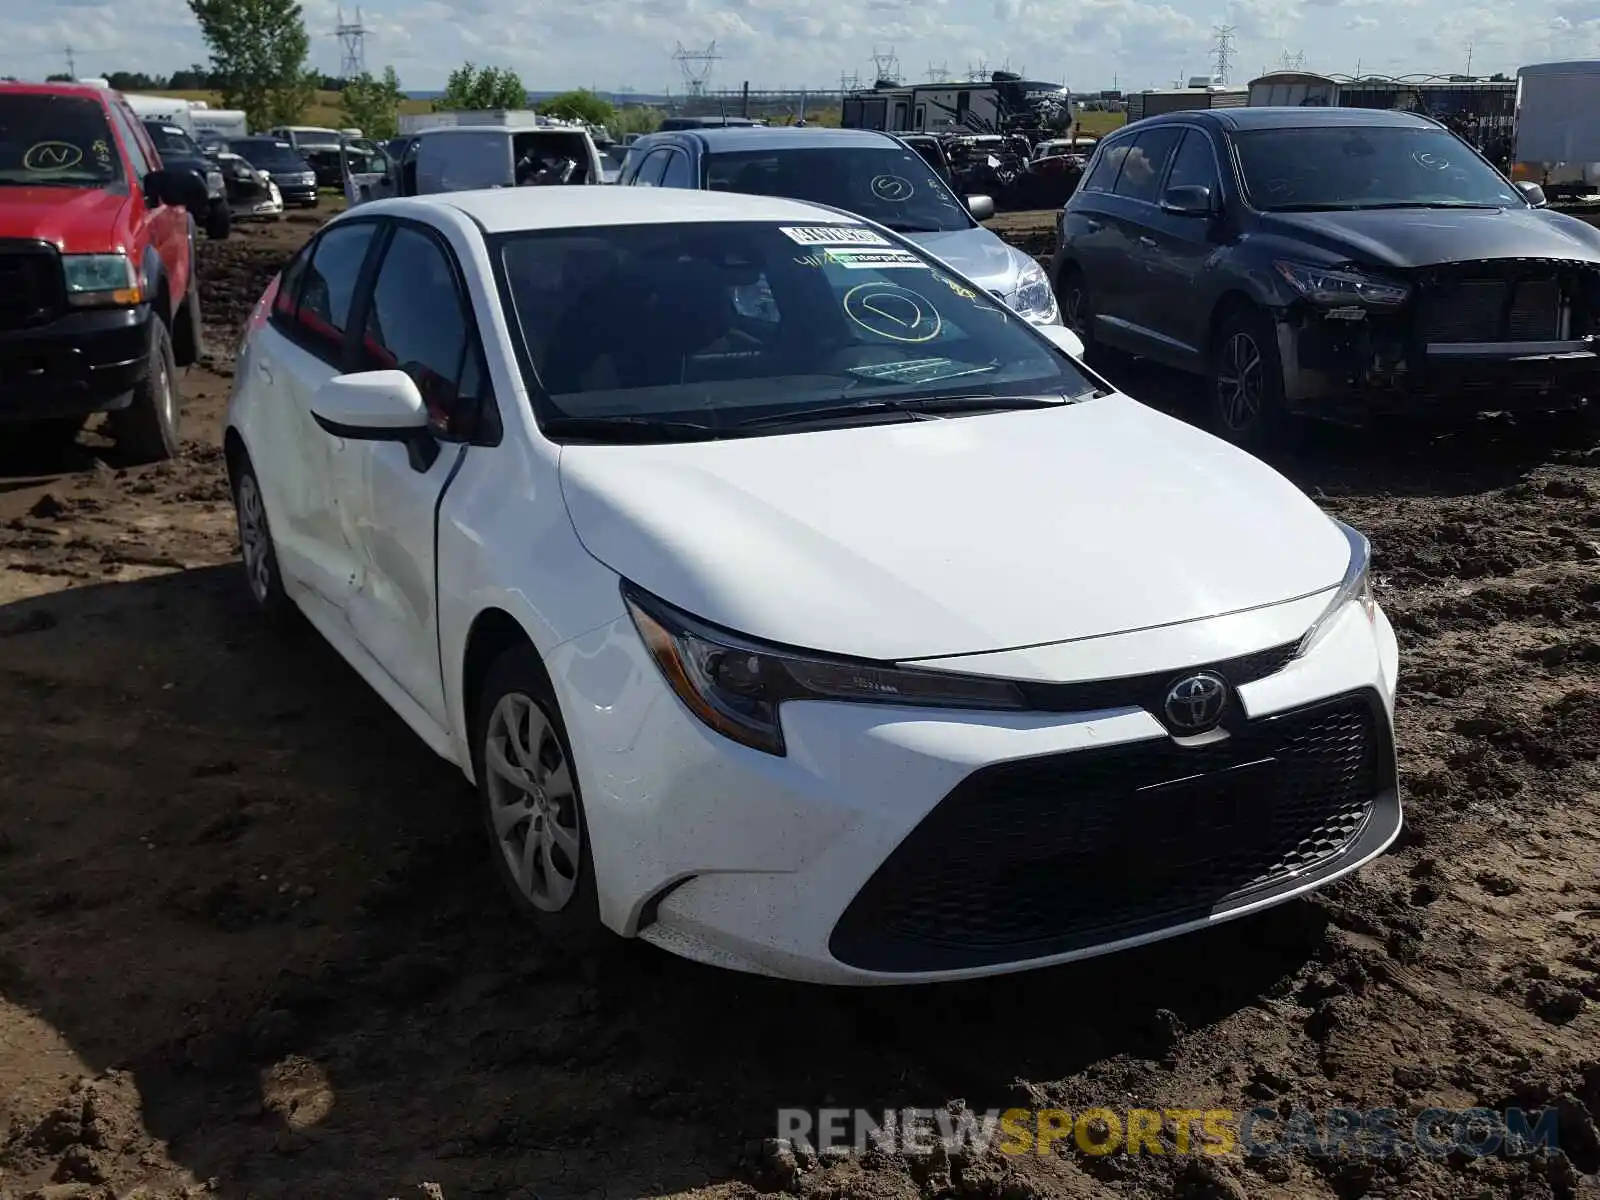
{"type": "Point", "coordinates": [258, 556]}
{"type": "Point", "coordinates": [1072, 298]}
{"type": "Point", "coordinates": [146, 430]}
{"type": "Point", "coordinates": [219, 222]}
{"type": "Point", "coordinates": [552, 881]}
{"type": "Point", "coordinates": [1244, 382]}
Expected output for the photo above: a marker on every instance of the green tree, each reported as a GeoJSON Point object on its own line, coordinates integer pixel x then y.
{"type": "Point", "coordinates": [471, 87]}
{"type": "Point", "coordinates": [373, 105]}
{"type": "Point", "coordinates": [61, 77]}
{"type": "Point", "coordinates": [580, 105]}
{"type": "Point", "coordinates": [258, 57]}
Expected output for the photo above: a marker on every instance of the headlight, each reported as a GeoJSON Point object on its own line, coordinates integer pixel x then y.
{"type": "Point", "coordinates": [1034, 298]}
{"type": "Point", "coordinates": [95, 280]}
{"type": "Point", "coordinates": [1355, 587]}
{"type": "Point", "coordinates": [214, 184]}
{"type": "Point", "coordinates": [736, 686]}
{"type": "Point", "coordinates": [1327, 285]}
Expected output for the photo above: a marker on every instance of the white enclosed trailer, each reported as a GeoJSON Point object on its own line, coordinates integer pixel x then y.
{"type": "Point", "coordinates": [226, 123]}
{"type": "Point", "coordinates": [1558, 136]}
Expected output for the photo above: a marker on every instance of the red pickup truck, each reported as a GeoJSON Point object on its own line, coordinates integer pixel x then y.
{"type": "Point", "coordinates": [99, 304]}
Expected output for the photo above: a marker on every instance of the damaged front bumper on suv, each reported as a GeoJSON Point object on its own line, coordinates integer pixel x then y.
{"type": "Point", "coordinates": [1493, 335]}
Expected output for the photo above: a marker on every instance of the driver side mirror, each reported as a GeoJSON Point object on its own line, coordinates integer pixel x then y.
{"type": "Point", "coordinates": [981, 207]}
{"type": "Point", "coordinates": [180, 189]}
{"type": "Point", "coordinates": [377, 406]}
{"type": "Point", "coordinates": [1532, 193]}
{"type": "Point", "coordinates": [1188, 200]}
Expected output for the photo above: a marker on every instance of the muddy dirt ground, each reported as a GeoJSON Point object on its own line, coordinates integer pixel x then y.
{"type": "Point", "coordinates": [249, 945]}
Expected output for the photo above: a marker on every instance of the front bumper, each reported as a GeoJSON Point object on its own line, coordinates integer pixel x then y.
{"type": "Point", "coordinates": [1378, 366]}
{"type": "Point", "coordinates": [79, 363]}
{"type": "Point", "coordinates": [299, 195]}
{"type": "Point", "coordinates": [897, 845]}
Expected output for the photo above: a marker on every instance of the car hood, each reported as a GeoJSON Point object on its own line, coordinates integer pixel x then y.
{"type": "Point", "coordinates": [74, 220]}
{"type": "Point", "coordinates": [1403, 238]}
{"type": "Point", "coordinates": [978, 254]}
{"type": "Point", "coordinates": [959, 536]}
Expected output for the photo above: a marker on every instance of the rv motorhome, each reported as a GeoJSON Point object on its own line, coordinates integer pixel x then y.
{"type": "Point", "coordinates": [1006, 102]}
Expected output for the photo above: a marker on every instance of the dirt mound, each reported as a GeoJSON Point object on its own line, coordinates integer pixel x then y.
{"type": "Point", "coordinates": [249, 946]}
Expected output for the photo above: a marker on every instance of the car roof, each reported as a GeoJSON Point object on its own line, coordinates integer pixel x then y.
{"type": "Point", "coordinates": [513, 210]}
{"type": "Point", "coordinates": [736, 138]}
{"type": "Point", "coordinates": [1292, 117]}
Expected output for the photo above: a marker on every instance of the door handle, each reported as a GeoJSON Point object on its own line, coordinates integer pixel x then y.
{"type": "Point", "coordinates": [1095, 226]}
{"type": "Point", "coordinates": [1148, 241]}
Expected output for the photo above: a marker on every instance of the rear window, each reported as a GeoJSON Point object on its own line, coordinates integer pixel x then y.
{"type": "Point", "coordinates": [269, 155]}
{"type": "Point", "coordinates": [56, 141]}
{"type": "Point", "coordinates": [722, 320]}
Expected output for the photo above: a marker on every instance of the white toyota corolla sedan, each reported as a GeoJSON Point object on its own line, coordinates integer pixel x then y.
{"type": "Point", "coordinates": [792, 604]}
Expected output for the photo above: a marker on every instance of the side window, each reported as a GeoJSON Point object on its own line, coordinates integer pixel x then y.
{"type": "Point", "coordinates": [1194, 164]}
{"type": "Point", "coordinates": [1142, 169]}
{"type": "Point", "coordinates": [1104, 176]}
{"type": "Point", "coordinates": [418, 323]}
{"type": "Point", "coordinates": [652, 168]}
{"type": "Point", "coordinates": [138, 161]}
{"type": "Point", "coordinates": [678, 174]}
{"type": "Point", "coordinates": [330, 282]}
{"type": "Point", "coordinates": [287, 300]}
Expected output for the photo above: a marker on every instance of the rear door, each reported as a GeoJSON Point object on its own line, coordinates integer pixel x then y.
{"type": "Point", "coordinates": [302, 348]}
{"type": "Point", "coordinates": [1128, 313]}
{"type": "Point", "coordinates": [1090, 236]}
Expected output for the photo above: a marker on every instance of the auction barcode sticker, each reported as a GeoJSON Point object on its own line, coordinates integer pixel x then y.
{"type": "Point", "coordinates": [863, 260]}
{"type": "Point", "coordinates": [833, 235]}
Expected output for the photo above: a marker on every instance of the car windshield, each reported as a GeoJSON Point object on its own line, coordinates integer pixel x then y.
{"type": "Point", "coordinates": [889, 184]}
{"type": "Point", "coordinates": [1352, 167]}
{"type": "Point", "coordinates": [55, 141]}
{"type": "Point", "coordinates": [269, 155]}
{"type": "Point", "coordinates": [169, 139]}
{"type": "Point", "coordinates": [717, 324]}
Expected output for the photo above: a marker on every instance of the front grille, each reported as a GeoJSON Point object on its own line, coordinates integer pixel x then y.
{"type": "Point", "coordinates": [1149, 691]}
{"type": "Point", "coordinates": [1493, 310]}
{"type": "Point", "coordinates": [31, 286]}
{"type": "Point", "coordinates": [1048, 855]}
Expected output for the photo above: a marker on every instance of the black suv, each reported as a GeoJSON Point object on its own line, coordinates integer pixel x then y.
{"type": "Point", "coordinates": [1329, 262]}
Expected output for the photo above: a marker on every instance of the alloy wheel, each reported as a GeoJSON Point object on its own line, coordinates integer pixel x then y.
{"type": "Point", "coordinates": [533, 804]}
{"type": "Point", "coordinates": [1240, 380]}
{"type": "Point", "coordinates": [254, 540]}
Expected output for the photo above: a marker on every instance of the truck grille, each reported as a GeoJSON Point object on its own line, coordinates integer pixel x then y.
{"type": "Point", "coordinates": [1493, 310]}
{"type": "Point", "coordinates": [31, 286]}
{"type": "Point", "coordinates": [1047, 855]}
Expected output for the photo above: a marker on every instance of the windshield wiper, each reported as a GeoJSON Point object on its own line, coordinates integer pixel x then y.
{"type": "Point", "coordinates": [630, 429]}
{"type": "Point", "coordinates": [909, 227]}
{"type": "Point", "coordinates": [917, 409]}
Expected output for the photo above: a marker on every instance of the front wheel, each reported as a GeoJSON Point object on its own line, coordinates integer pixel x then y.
{"type": "Point", "coordinates": [1246, 381]}
{"type": "Point", "coordinates": [219, 221]}
{"type": "Point", "coordinates": [146, 430]}
{"type": "Point", "coordinates": [1072, 297]}
{"type": "Point", "coordinates": [532, 805]}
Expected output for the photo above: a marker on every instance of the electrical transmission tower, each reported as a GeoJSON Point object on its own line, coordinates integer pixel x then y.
{"type": "Point", "coordinates": [938, 72]}
{"type": "Point", "coordinates": [886, 66]}
{"type": "Point", "coordinates": [850, 81]}
{"type": "Point", "coordinates": [1297, 61]}
{"type": "Point", "coordinates": [72, 63]}
{"type": "Point", "coordinates": [979, 73]}
{"type": "Point", "coordinates": [696, 66]}
{"type": "Point", "coordinates": [352, 37]}
{"type": "Point", "coordinates": [1222, 52]}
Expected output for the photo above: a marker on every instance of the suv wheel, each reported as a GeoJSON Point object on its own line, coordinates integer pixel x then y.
{"type": "Point", "coordinates": [219, 221]}
{"type": "Point", "coordinates": [532, 804]}
{"type": "Point", "coordinates": [147, 429]}
{"type": "Point", "coordinates": [256, 549]}
{"type": "Point", "coordinates": [1246, 381]}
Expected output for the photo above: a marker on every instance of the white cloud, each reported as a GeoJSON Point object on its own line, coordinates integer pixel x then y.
{"type": "Point", "coordinates": [612, 44]}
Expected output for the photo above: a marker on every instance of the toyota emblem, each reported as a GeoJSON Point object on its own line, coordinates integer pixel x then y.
{"type": "Point", "coordinates": [1195, 703]}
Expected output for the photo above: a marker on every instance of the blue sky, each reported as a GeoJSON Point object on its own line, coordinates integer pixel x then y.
{"type": "Point", "coordinates": [772, 43]}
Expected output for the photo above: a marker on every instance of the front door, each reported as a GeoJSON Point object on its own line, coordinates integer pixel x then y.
{"type": "Point", "coordinates": [417, 319]}
{"type": "Point", "coordinates": [1184, 247]}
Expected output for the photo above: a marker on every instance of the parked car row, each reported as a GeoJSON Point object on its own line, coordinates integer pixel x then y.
{"type": "Point", "coordinates": [796, 600]}
{"type": "Point", "coordinates": [1330, 262]}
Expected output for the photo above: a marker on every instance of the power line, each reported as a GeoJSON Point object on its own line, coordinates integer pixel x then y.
{"type": "Point", "coordinates": [1222, 52]}
{"type": "Point", "coordinates": [352, 37]}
